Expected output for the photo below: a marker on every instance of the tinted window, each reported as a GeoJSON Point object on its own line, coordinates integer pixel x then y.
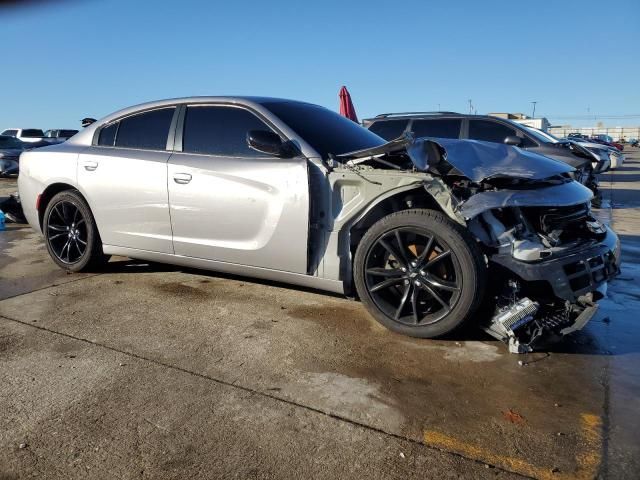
{"type": "Point", "coordinates": [148, 130]}
{"type": "Point", "coordinates": [220, 131]}
{"type": "Point", "coordinates": [11, 133]}
{"type": "Point", "coordinates": [326, 131]}
{"type": "Point", "coordinates": [32, 133]}
{"type": "Point", "coordinates": [67, 133]}
{"type": "Point", "coordinates": [442, 128]}
{"type": "Point", "coordinates": [108, 135]}
{"type": "Point", "coordinates": [489, 131]}
{"type": "Point", "coordinates": [389, 129]}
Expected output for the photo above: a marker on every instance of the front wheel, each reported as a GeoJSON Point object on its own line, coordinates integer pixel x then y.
{"type": "Point", "coordinates": [70, 233]}
{"type": "Point", "coordinates": [419, 274]}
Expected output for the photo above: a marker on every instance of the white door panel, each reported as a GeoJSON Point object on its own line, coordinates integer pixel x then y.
{"type": "Point", "coordinates": [127, 192]}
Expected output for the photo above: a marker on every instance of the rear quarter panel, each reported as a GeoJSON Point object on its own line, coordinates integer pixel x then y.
{"type": "Point", "coordinates": [41, 168]}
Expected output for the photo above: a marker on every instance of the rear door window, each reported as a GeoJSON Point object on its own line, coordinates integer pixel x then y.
{"type": "Point", "coordinates": [11, 133]}
{"type": "Point", "coordinates": [438, 128]}
{"type": "Point", "coordinates": [222, 130]}
{"type": "Point", "coordinates": [108, 135]}
{"type": "Point", "coordinates": [489, 131]}
{"type": "Point", "coordinates": [147, 130]}
{"type": "Point", "coordinates": [389, 129]}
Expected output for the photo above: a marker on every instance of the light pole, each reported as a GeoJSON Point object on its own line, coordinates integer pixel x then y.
{"type": "Point", "coordinates": [533, 115]}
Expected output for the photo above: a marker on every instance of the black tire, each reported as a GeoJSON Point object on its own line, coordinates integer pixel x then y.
{"type": "Point", "coordinates": [446, 275]}
{"type": "Point", "coordinates": [70, 233]}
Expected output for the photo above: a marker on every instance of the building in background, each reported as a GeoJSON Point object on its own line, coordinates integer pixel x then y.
{"type": "Point", "coordinates": [539, 122]}
{"type": "Point", "coordinates": [617, 133]}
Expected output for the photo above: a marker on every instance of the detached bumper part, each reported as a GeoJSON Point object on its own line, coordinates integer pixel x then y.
{"type": "Point", "coordinates": [507, 321]}
{"type": "Point", "coordinates": [577, 281]}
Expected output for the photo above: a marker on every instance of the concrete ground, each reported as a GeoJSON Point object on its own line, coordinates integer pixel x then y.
{"type": "Point", "coordinates": [147, 371]}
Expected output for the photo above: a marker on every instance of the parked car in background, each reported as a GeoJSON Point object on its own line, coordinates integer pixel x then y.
{"type": "Point", "coordinates": [25, 134]}
{"type": "Point", "coordinates": [633, 142]}
{"type": "Point", "coordinates": [294, 192]}
{"type": "Point", "coordinates": [489, 129]}
{"type": "Point", "coordinates": [572, 136]}
{"type": "Point", "coordinates": [615, 156]}
{"type": "Point", "coordinates": [60, 135]}
{"type": "Point", "coordinates": [10, 150]}
{"type": "Point", "coordinates": [606, 140]}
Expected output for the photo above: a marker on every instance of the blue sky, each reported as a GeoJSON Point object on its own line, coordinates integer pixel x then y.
{"type": "Point", "coordinates": [70, 59]}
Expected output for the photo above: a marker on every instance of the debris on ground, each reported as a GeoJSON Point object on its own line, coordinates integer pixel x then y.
{"type": "Point", "coordinates": [513, 417]}
{"type": "Point", "coordinates": [12, 209]}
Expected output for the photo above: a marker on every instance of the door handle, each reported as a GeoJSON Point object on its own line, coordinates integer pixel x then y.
{"type": "Point", "coordinates": [182, 178]}
{"type": "Point", "coordinates": [90, 165]}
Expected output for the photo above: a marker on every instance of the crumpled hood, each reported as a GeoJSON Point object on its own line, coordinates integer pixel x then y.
{"type": "Point", "coordinates": [474, 159]}
{"type": "Point", "coordinates": [480, 161]}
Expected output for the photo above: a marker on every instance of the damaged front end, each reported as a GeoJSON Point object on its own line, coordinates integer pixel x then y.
{"type": "Point", "coordinates": [549, 265]}
{"type": "Point", "coordinates": [549, 258]}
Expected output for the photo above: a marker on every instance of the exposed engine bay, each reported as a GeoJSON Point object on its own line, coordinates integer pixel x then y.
{"type": "Point", "coordinates": [548, 257]}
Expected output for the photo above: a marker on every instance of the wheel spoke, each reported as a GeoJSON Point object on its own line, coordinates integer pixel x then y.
{"type": "Point", "coordinates": [401, 250]}
{"type": "Point", "coordinates": [79, 221]}
{"type": "Point", "coordinates": [403, 301]}
{"type": "Point", "coordinates": [437, 297]}
{"type": "Point", "coordinates": [386, 284]}
{"type": "Point", "coordinates": [53, 237]}
{"type": "Point", "coordinates": [414, 305]}
{"type": "Point", "coordinates": [65, 247]}
{"type": "Point", "coordinates": [425, 251]}
{"type": "Point", "coordinates": [437, 258]}
{"type": "Point", "coordinates": [60, 215]}
{"type": "Point", "coordinates": [442, 284]}
{"type": "Point", "coordinates": [80, 251]}
{"type": "Point", "coordinates": [81, 241]}
{"type": "Point", "coordinates": [385, 272]}
{"type": "Point", "coordinates": [392, 250]}
{"type": "Point", "coordinates": [57, 228]}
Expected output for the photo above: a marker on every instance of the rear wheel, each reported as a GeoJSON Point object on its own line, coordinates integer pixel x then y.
{"type": "Point", "coordinates": [418, 273]}
{"type": "Point", "coordinates": [70, 233]}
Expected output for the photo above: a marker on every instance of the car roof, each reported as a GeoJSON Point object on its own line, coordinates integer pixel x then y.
{"type": "Point", "coordinates": [426, 115]}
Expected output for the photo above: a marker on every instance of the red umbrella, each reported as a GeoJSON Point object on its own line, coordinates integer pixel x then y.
{"type": "Point", "coordinates": [346, 105]}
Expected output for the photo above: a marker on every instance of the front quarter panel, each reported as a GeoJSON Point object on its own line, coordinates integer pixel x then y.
{"type": "Point", "coordinates": [42, 168]}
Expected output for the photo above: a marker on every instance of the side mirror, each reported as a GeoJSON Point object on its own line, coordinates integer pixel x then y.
{"type": "Point", "coordinates": [268, 142]}
{"type": "Point", "coordinates": [513, 140]}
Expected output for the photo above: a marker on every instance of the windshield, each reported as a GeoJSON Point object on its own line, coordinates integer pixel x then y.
{"type": "Point", "coordinates": [542, 136]}
{"type": "Point", "coordinates": [326, 131]}
{"type": "Point", "coordinates": [10, 142]}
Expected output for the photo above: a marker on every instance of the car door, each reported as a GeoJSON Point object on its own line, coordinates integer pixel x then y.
{"type": "Point", "coordinates": [230, 203]}
{"type": "Point", "coordinates": [124, 178]}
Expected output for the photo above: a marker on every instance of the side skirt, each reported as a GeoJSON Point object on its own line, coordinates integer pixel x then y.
{"type": "Point", "coordinates": [300, 279]}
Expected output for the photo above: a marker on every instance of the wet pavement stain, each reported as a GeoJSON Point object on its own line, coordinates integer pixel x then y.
{"type": "Point", "coordinates": [184, 291]}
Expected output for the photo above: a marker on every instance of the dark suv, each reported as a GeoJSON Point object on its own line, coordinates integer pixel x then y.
{"type": "Point", "coordinates": [489, 129]}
